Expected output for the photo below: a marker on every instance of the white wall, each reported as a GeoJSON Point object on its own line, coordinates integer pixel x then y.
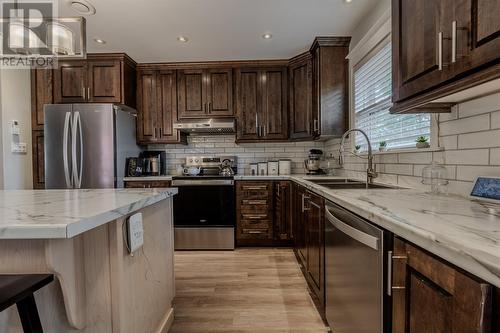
{"type": "Point", "coordinates": [379, 8]}
{"type": "Point", "coordinates": [15, 104]}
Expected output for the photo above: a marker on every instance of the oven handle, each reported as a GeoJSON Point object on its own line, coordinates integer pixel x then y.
{"type": "Point", "coordinates": [202, 182]}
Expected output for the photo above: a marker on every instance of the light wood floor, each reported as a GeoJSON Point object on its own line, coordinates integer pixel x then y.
{"type": "Point", "coordinates": [246, 290]}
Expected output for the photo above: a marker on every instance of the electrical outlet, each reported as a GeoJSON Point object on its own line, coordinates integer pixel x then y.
{"type": "Point", "coordinates": [19, 147]}
{"type": "Point", "coordinates": [135, 232]}
{"type": "Point", "coordinates": [15, 129]}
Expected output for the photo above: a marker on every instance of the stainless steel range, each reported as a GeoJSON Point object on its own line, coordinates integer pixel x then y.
{"type": "Point", "coordinates": [205, 209]}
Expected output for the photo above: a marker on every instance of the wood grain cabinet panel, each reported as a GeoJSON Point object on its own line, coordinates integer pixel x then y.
{"type": "Point", "coordinates": [70, 82]}
{"type": "Point", "coordinates": [283, 211]}
{"type": "Point", "coordinates": [104, 81]}
{"type": "Point", "coordinates": [431, 296]}
{"type": "Point", "coordinates": [167, 104]}
{"type": "Point", "coordinates": [38, 159]}
{"type": "Point", "coordinates": [220, 92]}
{"type": "Point", "coordinates": [301, 113]}
{"type": "Point", "coordinates": [205, 93]}
{"type": "Point", "coordinates": [261, 104]}
{"type": "Point", "coordinates": [146, 106]}
{"type": "Point", "coordinates": [41, 93]}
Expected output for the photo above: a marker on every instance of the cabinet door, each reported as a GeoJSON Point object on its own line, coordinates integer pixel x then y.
{"type": "Point", "coordinates": [431, 296]}
{"type": "Point", "coordinates": [104, 81]}
{"type": "Point", "coordinates": [482, 16]}
{"type": "Point", "coordinates": [301, 100]}
{"type": "Point", "coordinates": [167, 106]}
{"type": "Point", "coordinates": [274, 104]}
{"type": "Point", "coordinates": [315, 243]}
{"type": "Point", "coordinates": [421, 56]}
{"type": "Point", "coordinates": [41, 94]}
{"type": "Point", "coordinates": [299, 230]}
{"type": "Point", "coordinates": [147, 107]}
{"type": "Point", "coordinates": [282, 209]}
{"type": "Point", "coordinates": [219, 92]}
{"type": "Point", "coordinates": [248, 103]}
{"type": "Point", "coordinates": [38, 160]}
{"type": "Point", "coordinates": [70, 82]}
{"type": "Point", "coordinates": [191, 94]}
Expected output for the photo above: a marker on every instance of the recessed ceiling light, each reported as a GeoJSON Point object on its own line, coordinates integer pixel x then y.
{"type": "Point", "coordinates": [82, 7]}
{"type": "Point", "coordinates": [99, 41]}
{"type": "Point", "coordinates": [182, 39]}
{"type": "Point", "coordinates": [347, 1]}
{"type": "Point", "coordinates": [267, 36]}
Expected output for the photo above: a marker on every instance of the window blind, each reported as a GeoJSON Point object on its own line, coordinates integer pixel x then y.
{"type": "Point", "coordinates": [372, 100]}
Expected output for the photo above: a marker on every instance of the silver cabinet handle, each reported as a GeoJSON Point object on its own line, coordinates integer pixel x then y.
{"type": "Point", "coordinates": [389, 273]}
{"type": "Point", "coordinates": [67, 119]}
{"type": "Point", "coordinates": [358, 235]}
{"type": "Point", "coordinates": [304, 198]}
{"type": "Point", "coordinates": [84, 95]}
{"type": "Point", "coordinates": [440, 51]}
{"type": "Point", "coordinates": [257, 128]}
{"type": "Point", "coordinates": [88, 93]}
{"type": "Point", "coordinates": [454, 41]}
{"type": "Point", "coordinates": [316, 125]}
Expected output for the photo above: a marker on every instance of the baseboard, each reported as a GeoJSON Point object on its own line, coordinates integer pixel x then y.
{"type": "Point", "coordinates": [166, 322]}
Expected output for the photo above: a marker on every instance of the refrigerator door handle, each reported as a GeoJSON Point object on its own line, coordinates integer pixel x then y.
{"type": "Point", "coordinates": [67, 119]}
{"type": "Point", "coordinates": [77, 127]}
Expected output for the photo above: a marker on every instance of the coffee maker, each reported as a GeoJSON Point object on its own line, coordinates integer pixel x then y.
{"type": "Point", "coordinates": [154, 163]}
{"type": "Point", "coordinates": [312, 164]}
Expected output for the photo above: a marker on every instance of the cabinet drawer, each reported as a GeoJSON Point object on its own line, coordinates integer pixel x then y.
{"type": "Point", "coordinates": [254, 210]}
{"type": "Point", "coordinates": [255, 224]}
{"type": "Point", "coordinates": [252, 216]}
{"type": "Point", "coordinates": [254, 202]}
{"type": "Point", "coordinates": [255, 233]}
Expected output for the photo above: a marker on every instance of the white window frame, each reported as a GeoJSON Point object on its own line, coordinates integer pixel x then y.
{"type": "Point", "coordinates": [378, 33]}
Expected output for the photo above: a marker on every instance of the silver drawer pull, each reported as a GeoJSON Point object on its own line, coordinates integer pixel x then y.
{"type": "Point", "coordinates": [254, 188]}
{"type": "Point", "coordinates": [254, 217]}
{"type": "Point", "coordinates": [255, 202]}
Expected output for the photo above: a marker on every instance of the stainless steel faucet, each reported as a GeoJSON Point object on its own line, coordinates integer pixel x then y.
{"type": "Point", "coordinates": [370, 171]}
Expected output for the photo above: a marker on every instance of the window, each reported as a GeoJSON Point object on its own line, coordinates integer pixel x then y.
{"type": "Point", "coordinates": [372, 100]}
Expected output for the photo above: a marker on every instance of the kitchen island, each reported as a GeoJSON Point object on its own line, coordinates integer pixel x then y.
{"type": "Point", "coordinates": [80, 237]}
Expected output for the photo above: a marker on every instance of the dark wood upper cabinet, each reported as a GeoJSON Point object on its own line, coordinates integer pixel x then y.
{"type": "Point", "coordinates": [330, 98]}
{"type": "Point", "coordinates": [101, 78]}
{"type": "Point", "coordinates": [441, 48]}
{"type": "Point", "coordinates": [204, 93]}
{"type": "Point", "coordinates": [261, 104]}
{"type": "Point", "coordinates": [70, 82]}
{"type": "Point", "coordinates": [419, 52]}
{"type": "Point", "coordinates": [301, 113]}
{"type": "Point", "coordinates": [157, 107]}
{"type": "Point", "coordinates": [104, 81]}
{"type": "Point", "coordinates": [167, 106]}
{"type": "Point", "coordinates": [431, 296]}
{"type": "Point", "coordinates": [147, 103]}
{"type": "Point", "coordinates": [220, 92]}
{"type": "Point", "coordinates": [248, 103]}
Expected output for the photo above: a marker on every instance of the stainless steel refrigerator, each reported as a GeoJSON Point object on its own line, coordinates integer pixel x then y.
{"type": "Point", "coordinates": [86, 145]}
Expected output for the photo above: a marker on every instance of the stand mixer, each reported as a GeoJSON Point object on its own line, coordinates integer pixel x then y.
{"type": "Point", "coordinates": [312, 164]}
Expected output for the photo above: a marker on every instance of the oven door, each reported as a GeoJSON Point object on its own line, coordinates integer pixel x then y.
{"type": "Point", "coordinates": [204, 214]}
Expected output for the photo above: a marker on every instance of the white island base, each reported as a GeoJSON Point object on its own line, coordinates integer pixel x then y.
{"type": "Point", "coordinates": [99, 286]}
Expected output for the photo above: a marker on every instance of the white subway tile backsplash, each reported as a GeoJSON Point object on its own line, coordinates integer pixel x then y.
{"type": "Point", "coordinates": [495, 156]}
{"type": "Point", "coordinates": [479, 140]}
{"type": "Point", "coordinates": [415, 158]}
{"type": "Point", "coordinates": [449, 116]}
{"type": "Point", "coordinates": [495, 120]}
{"type": "Point", "coordinates": [480, 105]}
{"type": "Point", "coordinates": [469, 173]}
{"type": "Point", "coordinates": [400, 169]}
{"type": "Point", "coordinates": [449, 142]}
{"type": "Point", "coordinates": [472, 124]}
{"type": "Point", "coordinates": [470, 157]}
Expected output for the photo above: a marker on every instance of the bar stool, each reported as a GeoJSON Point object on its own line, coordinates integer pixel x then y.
{"type": "Point", "coordinates": [19, 289]}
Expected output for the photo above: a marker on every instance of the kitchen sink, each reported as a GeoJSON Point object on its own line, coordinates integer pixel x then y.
{"type": "Point", "coordinates": [348, 184]}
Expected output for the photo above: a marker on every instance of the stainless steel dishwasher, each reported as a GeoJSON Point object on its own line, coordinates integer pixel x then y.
{"type": "Point", "coordinates": [356, 261]}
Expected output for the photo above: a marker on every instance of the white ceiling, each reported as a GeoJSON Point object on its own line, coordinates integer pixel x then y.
{"type": "Point", "coordinates": [147, 30]}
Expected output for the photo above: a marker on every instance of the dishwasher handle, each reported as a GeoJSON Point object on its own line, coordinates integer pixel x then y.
{"type": "Point", "coordinates": [366, 239]}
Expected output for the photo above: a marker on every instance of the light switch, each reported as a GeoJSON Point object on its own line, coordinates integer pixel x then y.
{"type": "Point", "coordinates": [135, 232]}
{"type": "Point", "coordinates": [19, 147]}
{"type": "Point", "coordinates": [15, 129]}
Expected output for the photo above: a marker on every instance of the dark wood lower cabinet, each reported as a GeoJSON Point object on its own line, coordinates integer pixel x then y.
{"type": "Point", "coordinates": [283, 232]}
{"type": "Point", "coordinates": [38, 159]}
{"type": "Point", "coordinates": [254, 207]}
{"type": "Point", "coordinates": [430, 295]}
{"type": "Point", "coordinates": [147, 184]}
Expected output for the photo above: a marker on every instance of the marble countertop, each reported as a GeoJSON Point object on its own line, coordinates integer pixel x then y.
{"type": "Point", "coordinates": [43, 214]}
{"type": "Point", "coordinates": [463, 232]}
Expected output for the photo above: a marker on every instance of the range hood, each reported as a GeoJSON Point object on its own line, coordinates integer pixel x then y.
{"type": "Point", "coordinates": [206, 126]}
